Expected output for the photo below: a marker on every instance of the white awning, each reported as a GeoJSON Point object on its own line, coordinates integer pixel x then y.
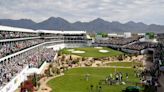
{"type": "Point", "coordinates": [31, 71]}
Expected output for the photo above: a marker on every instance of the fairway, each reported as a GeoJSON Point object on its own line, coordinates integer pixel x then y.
{"type": "Point", "coordinates": [125, 64]}
{"type": "Point", "coordinates": [74, 80]}
{"type": "Point", "coordinates": [92, 52]}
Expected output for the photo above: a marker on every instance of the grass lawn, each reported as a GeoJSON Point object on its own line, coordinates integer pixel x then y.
{"type": "Point", "coordinates": [74, 80]}
{"type": "Point", "coordinates": [93, 52]}
{"type": "Point", "coordinates": [126, 64]}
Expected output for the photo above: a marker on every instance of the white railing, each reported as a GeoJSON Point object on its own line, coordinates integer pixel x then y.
{"type": "Point", "coordinates": [15, 82]}
{"type": "Point", "coordinates": [21, 77]}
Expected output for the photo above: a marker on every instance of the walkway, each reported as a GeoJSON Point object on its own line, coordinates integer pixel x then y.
{"type": "Point", "coordinates": [44, 87]}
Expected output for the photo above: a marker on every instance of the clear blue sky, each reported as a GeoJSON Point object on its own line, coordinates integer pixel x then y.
{"type": "Point", "coordinates": [147, 11]}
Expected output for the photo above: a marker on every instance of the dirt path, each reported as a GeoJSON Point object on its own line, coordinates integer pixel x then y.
{"type": "Point", "coordinates": [44, 87]}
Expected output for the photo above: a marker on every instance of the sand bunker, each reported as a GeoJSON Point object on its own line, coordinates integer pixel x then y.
{"type": "Point", "coordinates": [75, 51]}
{"type": "Point", "coordinates": [103, 51]}
{"type": "Point", "coordinates": [78, 51]}
{"type": "Point", "coordinates": [98, 47]}
{"type": "Point", "coordinates": [70, 50]}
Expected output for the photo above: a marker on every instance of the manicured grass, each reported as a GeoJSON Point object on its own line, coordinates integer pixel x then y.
{"type": "Point", "coordinates": [125, 64]}
{"type": "Point", "coordinates": [74, 80]}
{"type": "Point", "coordinates": [93, 52]}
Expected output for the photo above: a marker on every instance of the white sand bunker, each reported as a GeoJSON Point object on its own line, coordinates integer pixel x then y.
{"type": "Point", "coordinates": [98, 47]}
{"type": "Point", "coordinates": [70, 50]}
{"type": "Point", "coordinates": [103, 51]}
{"type": "Point", "coordinates": [78, 51]}
{"type": "Point", "coordinates": [75, 51]}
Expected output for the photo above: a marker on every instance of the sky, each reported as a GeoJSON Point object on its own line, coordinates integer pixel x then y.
{"type": "Point", "coordinates": [147, 11]}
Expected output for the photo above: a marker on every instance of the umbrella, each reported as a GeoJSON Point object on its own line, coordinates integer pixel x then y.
{"type": "Point", "coordinates": [132, 89]}
{"type": "Point", "coordinates": [161, 68]}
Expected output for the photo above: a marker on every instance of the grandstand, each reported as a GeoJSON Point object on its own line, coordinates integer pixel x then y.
{"type": "Point", "coordinates": [24, 49]}
{"type": "Point", "coordinates": [160, 38]}
{"type": "Point", "coordinates": [116, 41]}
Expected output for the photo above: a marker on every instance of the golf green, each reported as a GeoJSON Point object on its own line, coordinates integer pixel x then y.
{"type": "Point", "coordinates": [92, 52]}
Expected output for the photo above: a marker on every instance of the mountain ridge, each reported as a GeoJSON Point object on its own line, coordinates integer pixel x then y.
{"type": "Point", "coordinates": [97, 25]}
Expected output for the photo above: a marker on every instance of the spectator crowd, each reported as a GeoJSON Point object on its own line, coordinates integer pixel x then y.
{"type": "Point", "coordinates": [13, 34]}
{"type": "Point", "coordinates": [11, 67]}
{"type": "Point", "coordinates": [35, 57]}
{"type": "Point", "coordinates": [141, 45]}
{"type": "Point", "coordinates": [7, 48]}
{"type": "Point", "coordinates": [117, 40]}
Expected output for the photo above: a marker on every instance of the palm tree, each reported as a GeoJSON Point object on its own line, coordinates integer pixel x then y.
{"type": "Point", "coordinates": [34, 80]}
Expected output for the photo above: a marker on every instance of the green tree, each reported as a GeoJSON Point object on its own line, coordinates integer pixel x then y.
{"type": "Point", "coordinates": [150, 35]}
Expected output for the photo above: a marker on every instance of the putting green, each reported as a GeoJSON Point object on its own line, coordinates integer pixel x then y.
{"type": "Point", "coordinates": [92, 52]}
{"type": "Point", "coordinates": [74, 80]}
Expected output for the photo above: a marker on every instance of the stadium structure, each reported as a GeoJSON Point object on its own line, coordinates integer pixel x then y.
{"type": "Point", "coordinates": [26, 51]}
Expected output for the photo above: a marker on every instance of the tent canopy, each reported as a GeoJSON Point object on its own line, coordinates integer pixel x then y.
{"type": "Point", "coordinates": [132, 89]}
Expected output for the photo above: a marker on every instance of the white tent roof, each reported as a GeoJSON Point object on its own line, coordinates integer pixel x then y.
{"type": "Point", "coordinates": [62, 32]}
{"type": "Point", "coordinates": [7, 28]}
